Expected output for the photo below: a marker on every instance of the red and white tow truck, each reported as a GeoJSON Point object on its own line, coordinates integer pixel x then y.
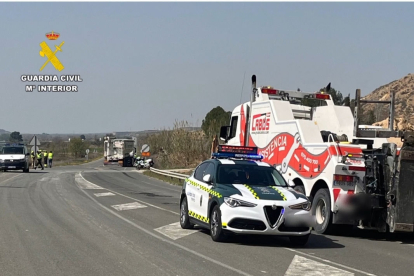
{"type": "Point", "coordinates": [323, 153]}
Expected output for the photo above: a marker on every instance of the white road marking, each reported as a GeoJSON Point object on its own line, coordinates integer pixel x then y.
{"type": "Point", "coordinates": [11, 178]}
{"type": "Point", "coordinates": [195, 253]}
{"type": "Point", "coordinates": [330, 262]}
{"type": "Point", "coordinates": [174, 231]}
{"type": "Point", "coordinates": [175, 213]}
{"type": "Point", "coordinates": [84, 184]}
{"type": "Point", "coordinates": [104, 194]}
{"type": "Point", "coordinates": [303, 266]}
{"type": "Point", "coordinates": [128, 206]}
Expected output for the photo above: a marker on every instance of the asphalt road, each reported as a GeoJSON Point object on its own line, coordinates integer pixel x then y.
{"type": "Point", "coordinates": [95, 220]}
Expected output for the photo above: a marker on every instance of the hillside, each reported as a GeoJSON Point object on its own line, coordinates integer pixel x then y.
{"type": "Point", "coordinates": [404, 103]}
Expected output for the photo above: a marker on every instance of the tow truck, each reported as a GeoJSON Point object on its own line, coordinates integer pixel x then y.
{"type": "Point", "coordinates": [351, 174]}
{"type": "Point", "coordinates": [118, 151]}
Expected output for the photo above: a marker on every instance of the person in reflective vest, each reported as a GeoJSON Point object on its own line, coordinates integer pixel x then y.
{"type": "Point", "coordinates": [45, 159]}
{"type": "Point", "coordinates": [39, 160]}
{"type": "Point", "coordinates": [50, 157]}
{"type": "Point", "coordinates": [32, 154]}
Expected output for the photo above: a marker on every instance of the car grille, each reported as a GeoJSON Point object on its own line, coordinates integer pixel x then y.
{"type": "Point", "coordinates": [247, 224]}
{"type": "Point", "coordinates": [284, 228]}
{"type": "Point", "coordinates": [273, 216]}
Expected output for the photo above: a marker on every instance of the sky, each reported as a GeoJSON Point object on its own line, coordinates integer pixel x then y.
{"type": "Point", "coordinates": [147, 65]}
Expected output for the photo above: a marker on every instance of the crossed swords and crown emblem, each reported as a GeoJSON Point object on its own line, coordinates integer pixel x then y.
{"type": "Point", "coordinates": [51, 56]}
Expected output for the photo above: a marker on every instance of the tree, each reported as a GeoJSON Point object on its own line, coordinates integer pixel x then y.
{"type": "Point", "coordinates": [77, 146]}
{"type": "Point", "coordinates": [336, 96]}
{"type": "Point", "coordinates": [214, 119]}
{"type": "Point", "coordinates": [83, 137]}
{"type": "Point", "coordinates": [15, 137]}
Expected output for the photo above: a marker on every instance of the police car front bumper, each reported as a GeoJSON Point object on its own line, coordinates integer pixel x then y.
{"type": "Point", "coordinates": [263, 220]}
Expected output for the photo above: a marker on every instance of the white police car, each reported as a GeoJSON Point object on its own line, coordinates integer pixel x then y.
{"type": "Point", "coordinates": [236, 192]}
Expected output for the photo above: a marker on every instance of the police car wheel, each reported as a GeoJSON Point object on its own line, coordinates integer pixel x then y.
{"type": "Point", "coordinates": [184, 217]}
{"type": "Point", "coordinates": [299, 240]}
{"type": "Point", "coordinates": [216, 230]}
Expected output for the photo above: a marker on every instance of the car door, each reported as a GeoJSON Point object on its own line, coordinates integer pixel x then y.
{"type": "Point", "coordinates": [205, 187]}
{"type": "Point", "coordinates": [202, 190]}
{"type": "Point", "coordinates": [193, 190]}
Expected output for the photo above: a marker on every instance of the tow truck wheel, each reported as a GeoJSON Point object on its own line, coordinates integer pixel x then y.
{"type": "Point", "coordinates": [216, 230]}
{"type": "Point", "coordinates": [299, 240]}
{"type": "Point", "coordinates": [321, 209]}
{"type": "Point", "coordinates": [184, 217]}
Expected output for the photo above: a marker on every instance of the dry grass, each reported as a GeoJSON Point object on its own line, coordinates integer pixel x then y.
{"type": "Point", "coordinates": [178, 147]}
{"type": "Point", "coordinates": [74, 161]}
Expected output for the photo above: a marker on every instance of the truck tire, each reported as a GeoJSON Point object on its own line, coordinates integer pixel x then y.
{"type": "Point", "coordinates": [321, 209]}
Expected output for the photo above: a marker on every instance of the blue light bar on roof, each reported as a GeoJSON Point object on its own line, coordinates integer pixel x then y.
{"type": "Point", "coordinates": [237, 155]}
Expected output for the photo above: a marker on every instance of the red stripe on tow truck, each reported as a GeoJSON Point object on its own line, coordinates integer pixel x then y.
{"type": "Point", "coordinates": [336, 193]}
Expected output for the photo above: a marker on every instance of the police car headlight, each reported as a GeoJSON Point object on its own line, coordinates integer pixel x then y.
{"type": "Point", "coordinates": [233, 202]}
{"type": "Point", "coordinates": [304, 206]}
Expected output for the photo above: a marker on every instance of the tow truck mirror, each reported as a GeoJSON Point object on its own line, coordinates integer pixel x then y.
{"type": "Point", "coordinates": [207, 178]}
{"type": "Point", "coordinates": [224, 133]}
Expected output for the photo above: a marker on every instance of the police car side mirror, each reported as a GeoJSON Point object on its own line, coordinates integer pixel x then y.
{"type": "Point", "coordinates": [207, 178]}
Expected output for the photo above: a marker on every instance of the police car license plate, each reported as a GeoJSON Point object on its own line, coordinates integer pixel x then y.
{"type": "Point", "coordinates": [11, 167]}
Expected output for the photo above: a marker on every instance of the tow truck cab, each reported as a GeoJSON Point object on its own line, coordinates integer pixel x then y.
{"type": "Point", "coordinates": [14, 157]}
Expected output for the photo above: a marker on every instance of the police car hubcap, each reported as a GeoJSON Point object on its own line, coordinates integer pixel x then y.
{"type": "Point", "coordinates": [182, 213]}
{"type": "Point", "coordinates": [214, 223]}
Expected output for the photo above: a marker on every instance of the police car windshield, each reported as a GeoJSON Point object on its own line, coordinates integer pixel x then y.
{"type": "Point", "coordinates": [249, 174]}
{"type": "Point", "coordinates": [12, 150]}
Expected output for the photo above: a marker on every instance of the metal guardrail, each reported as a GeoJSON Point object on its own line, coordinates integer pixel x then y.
{"type": "Point", "coordinates": [170, 173]}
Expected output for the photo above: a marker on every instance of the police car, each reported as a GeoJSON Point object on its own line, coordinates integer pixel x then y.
{"type": "Point", "coordinates": [234, 192]}
{"type": "Point", "coordinates": [14, 157]}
